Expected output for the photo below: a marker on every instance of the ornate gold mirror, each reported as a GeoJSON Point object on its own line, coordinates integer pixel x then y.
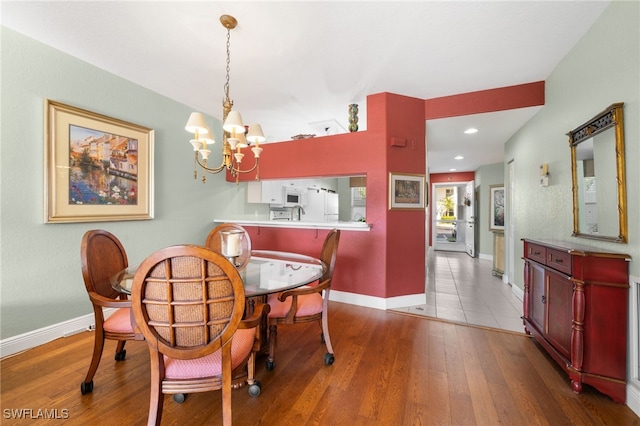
{"type": "Point", "coordinates": [597, 168]}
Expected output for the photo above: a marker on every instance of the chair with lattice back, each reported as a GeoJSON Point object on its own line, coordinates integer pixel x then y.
{"type": "Point", "coordinates": [103, 256]}
{"type": "Point", "coordinates": [188, 302]}
{"type": "Point", "coordinates": [307, 303]}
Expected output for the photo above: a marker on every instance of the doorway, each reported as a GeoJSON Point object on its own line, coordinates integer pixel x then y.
{"type": "Point", "coordinates": [453, 218]}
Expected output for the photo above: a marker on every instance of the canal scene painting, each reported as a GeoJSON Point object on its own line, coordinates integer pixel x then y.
{"type": "Point", "coordinates": [103, 168]}
{"type": "Point", "coordinates": [97, 168]}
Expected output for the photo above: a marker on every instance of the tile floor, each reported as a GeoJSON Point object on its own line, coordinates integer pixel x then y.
{"type": "Point", "coordinates": [462, 289]}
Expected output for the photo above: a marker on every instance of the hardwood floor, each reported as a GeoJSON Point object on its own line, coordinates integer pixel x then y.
{"type": "Point", "coordinates": [390, 369]}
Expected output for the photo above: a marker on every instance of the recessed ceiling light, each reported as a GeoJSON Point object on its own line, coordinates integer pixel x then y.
{"type": "Point", "coordinates": [452, 170]}
{"type": "Point", "coordinates": [459, 157]}
{"type": "Point", "coordinates": [471, 130]}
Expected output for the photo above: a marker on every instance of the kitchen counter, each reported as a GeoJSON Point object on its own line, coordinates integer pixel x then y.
{"type": "Point", "coordinates": [347, 226]}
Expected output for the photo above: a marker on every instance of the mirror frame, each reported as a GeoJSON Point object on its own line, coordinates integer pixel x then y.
{"type": "Point", "coordinates": [610, 117]}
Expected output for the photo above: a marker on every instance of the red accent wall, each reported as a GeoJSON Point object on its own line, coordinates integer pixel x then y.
{"type": "Point", "coordinates": [500, 99]}
{"type": "Point", "coordinates": [451, 177]}
{"type": "Point", "coordinates": [389, 260]}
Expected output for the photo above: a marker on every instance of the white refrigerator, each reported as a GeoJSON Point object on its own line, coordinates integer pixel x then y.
{"type": "Point", "coordinates": [320, 206]}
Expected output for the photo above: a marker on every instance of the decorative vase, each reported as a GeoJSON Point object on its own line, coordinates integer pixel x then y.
{"type": "Point", "coordinates": [353, 117]}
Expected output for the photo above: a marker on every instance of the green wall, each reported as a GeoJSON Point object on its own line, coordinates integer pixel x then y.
{"type": "Point", "coordinates": [41, 281]}
{"type": "Point", "coordinates": [492, 174]}
{"type": "Point", "coordinates": [603, 68]}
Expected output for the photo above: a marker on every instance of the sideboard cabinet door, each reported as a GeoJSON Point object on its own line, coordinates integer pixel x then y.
{"type": "Point", "coordinates": [559, 308]}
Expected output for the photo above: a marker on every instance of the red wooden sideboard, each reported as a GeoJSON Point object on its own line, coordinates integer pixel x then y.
{"type": "Point", "coordinates": [575, 305]}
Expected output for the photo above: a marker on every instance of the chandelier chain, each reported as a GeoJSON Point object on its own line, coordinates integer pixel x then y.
{"type": "Point", "coordinates": [231, 147]}
{"type": "Point", "coordinates": [228, 103]}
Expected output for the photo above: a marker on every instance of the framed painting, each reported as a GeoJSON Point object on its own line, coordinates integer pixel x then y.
{"type": "Point", "coordinates": [97, 168]}
{"type": "Point", "coordinates": [496, 212]}
{"type": "Point", "coordinates": [406, 191]}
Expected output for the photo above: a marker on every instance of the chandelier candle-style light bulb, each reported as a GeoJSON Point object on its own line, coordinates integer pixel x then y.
{"type": "Point", "coordinates": [233, 134]}
{"type": "Point", "coordinates": [207, 138]}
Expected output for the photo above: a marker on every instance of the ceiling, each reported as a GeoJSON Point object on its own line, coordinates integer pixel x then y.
{"type": "Point", "coordinates": [295, 66]}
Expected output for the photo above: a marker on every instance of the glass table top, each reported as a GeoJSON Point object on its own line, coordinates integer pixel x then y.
{"type": "Point", "coordinates": [266, 272]}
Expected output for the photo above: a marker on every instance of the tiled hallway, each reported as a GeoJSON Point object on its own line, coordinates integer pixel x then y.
{"type": "Point", "coordinates": [462, 289]}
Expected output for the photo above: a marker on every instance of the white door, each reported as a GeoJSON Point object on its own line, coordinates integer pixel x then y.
{"type": "Point", "coordinates": [449, 217]}
{"type": "Point", "coordinates": [469, 215]}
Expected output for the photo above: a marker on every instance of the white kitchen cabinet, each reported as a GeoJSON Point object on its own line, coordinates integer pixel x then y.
{"type": "Point", "coordinates": [265, 191]}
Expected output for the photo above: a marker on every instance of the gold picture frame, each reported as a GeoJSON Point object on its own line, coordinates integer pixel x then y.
{"type": "Point", "coordinates": [97, 168]}
{"type": "Point", "coordinates": [406, 191]}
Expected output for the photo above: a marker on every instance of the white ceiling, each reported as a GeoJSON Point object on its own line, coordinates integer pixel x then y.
{"type": "Point", "coordinates": [294, 64]}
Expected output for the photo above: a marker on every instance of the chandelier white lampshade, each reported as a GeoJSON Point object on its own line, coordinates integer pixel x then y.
{"type": "Point", "coordinates": [233, 134]}
{"type": "Point", "coordinates": [255, 134]}
{"type": "Point", "coordinates": [234, 124]}
{"type": "Point", "coordinates": [197, 124]}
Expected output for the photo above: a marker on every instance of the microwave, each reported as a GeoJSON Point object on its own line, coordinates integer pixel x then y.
{"type": "Point", "coordinates": [291, 197]}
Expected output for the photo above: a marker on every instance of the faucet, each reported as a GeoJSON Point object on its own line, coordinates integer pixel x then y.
{"type": "Point", "coordinates": [297, 212]}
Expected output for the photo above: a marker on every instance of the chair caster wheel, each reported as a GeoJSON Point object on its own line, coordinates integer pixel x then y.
{"type": "Point", "coordinates": [255, 389]}
{"type": "Point", "coordinates": [271, 365]}
{"type": "Point", "coordinates": [179, 398]}
{"type": "Point", "coordinates": [121, 355]}
{"type": "Point", "coordinates": [86, 388]}
{"type": "Point", "coordinates": [328, 359]}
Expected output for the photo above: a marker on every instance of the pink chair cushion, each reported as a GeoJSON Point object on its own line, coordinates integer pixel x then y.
{"type": "Point", "coordinates": [308, 304]}
{"type": "Point", "coordinates": [211, 365]}
{"type": "Point", "coordinates": [119, 321]}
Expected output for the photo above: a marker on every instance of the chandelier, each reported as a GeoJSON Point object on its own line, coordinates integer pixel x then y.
{"type": "Point", "coordinates": [233, 134]}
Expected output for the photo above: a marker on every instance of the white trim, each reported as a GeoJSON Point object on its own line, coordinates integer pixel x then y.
{"type": "Point", "coordinates": [484, 256]}
{"type": "Point", "coordinates": [517, 291]}
{"type": "Point", "coordinates": [378, 302]}
{"type": "Point", "coordinates": [633, 348]}
{"type": "Point", "coordinates": [22, 342]}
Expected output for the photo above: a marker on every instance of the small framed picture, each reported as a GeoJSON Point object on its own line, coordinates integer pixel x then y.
{"type": "Point", "coordinates": [97, 168]}
{"type": "Point", "coordinates": [496, 213]}
{"type": "Point", "coordinates": [406, 191]}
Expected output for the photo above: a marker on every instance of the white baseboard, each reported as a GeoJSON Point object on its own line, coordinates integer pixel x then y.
{"type": "Point", "coordinates": [22, 342]}
{"type": "Point", "coordinates": [633, 399]}
{"type": "Point", "coordinates": [378, 302]}
{"type": "Point", "coordinates": [517, 292]}
{"type": "Point", "coordinates": [31, 339]}
{"type": "Point", "coordinates": [484, 256]}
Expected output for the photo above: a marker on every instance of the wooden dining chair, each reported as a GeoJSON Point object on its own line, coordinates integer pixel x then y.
{"type": "Point", "coordinates": [214, 242]}
{"type": "Point", "coordinates": [304, 304]}
{"type": "Point", "coordinates": [103, 256]}
{"type": "Point", "coordinates": [188, 302]}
